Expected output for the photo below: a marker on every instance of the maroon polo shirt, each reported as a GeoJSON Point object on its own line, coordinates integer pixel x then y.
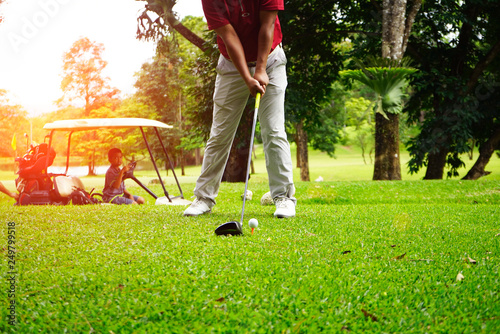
{"type": "Point", "coordinates": [243, 15]}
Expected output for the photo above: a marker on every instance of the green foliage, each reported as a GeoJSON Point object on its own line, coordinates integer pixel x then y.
{"type": "Point", "coordinates": [448, 129]}
{"type": "Point", "coordinates": [83, 79]}
{"type": "Point", "coordinates": [326, 136]}
{"type": "Point", "coordinates": [314, 58]}
{"type": "Point", "coordinates": [13, 122]}
{"type": "Point", "coordinates": [328, 132]}
{"type": "Point", "coordinates": [198, 119]}
{"type": "Point", "coordinates": [175, 84]}
{"type": "Point", "coordinates": [454, 101]}
{"type": "Point", "coordinates": [360, 129]}
{"type": "Point", "coordinates": [358, 110]}
{"type": "Point", "coordinates": [388, 82]}
{"type": "Point", "coordinates": [359, 257]}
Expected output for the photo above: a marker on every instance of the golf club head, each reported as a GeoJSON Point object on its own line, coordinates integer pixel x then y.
{"type": "Point", "coordinates": [232, 228]}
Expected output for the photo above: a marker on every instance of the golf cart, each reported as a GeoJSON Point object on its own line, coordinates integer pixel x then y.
{"type": "Point", "coordinates": [58, 188]}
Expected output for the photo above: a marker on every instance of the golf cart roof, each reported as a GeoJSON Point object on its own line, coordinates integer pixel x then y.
{"type": "Point", "coordinates": [97, 123]}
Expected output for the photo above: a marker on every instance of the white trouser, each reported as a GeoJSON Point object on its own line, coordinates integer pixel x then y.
{"type": "Point", "coordinates": [230, 97]}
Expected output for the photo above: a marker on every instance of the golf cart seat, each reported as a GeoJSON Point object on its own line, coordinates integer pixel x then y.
{"type": "Point", "coordinates": [65, 185]}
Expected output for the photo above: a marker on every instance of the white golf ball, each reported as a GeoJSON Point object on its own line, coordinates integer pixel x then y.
{"type": "Point", "coordinates": [253, 223]}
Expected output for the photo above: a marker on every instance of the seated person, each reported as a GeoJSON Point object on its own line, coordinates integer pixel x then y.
{"type": "Point", "coordinates": [114, 187]}
{"type": "Point", "coordinates": [8, 192]}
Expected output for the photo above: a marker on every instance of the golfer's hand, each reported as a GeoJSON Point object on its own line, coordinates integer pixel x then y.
{"type": "Point", "coordinates": [255, 87]}
{"type": "Point", "coordinates": [262, 78]}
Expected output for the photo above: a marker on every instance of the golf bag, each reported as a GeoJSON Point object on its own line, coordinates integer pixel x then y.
{"type": "Point", "coordinates": [34, 184]}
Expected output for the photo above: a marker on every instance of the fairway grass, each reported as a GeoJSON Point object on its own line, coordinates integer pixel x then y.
{"type": "Point", "coordinates": [360, 256]}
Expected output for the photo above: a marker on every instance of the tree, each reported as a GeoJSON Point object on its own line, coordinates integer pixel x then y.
{"type": "Point", "coordinates": [486, 131]}
{"type": "Point", "coordinates": [396, 29]}
{"type": "Point", "coordinates": [456, 48]}
{"type": "Point", "coordinates": [14, 122]}
{"type": "Point", "coordinates": [314, 58]}
{"type": "Point", "coordinates": [388, 81]}
{"type": "Point", "coordinates": [83, 80]}
{"type": "Point", "coordinates": [360, 128]}
{"type": "Point", "coordinates": [169, 84]}
{"type": "Point", "coordinates": [82, 76]}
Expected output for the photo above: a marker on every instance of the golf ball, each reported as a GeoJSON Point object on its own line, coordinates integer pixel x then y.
{"type": "Point", "coordinates": [253, 223]}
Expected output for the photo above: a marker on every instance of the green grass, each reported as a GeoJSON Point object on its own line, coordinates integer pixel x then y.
{"type": "Point", "coordinates": [360, 256]}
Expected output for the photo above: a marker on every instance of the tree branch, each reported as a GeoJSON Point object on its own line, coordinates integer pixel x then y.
{"type": "Point", "coordinates": [410, 19]}
{"type": "Point", "coordinates": [185, 32]}
{"type": "Point", "coordinates": [368, 33]}
{"type": "Point", "coordinates": [481, 66]}
{"type": "Point", "coordinates": [149, 29]}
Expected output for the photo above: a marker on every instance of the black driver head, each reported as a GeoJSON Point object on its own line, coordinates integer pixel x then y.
{"type": "Point", "coordinates": [231, 228]}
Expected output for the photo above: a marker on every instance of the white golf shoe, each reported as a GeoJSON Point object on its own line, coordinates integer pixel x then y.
{"type": "Point", "coordinates": [285, 208]}
{"type": "Point", "coordinates": [198, 207]}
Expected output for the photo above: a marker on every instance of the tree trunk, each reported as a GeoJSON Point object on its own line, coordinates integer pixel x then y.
{"type": "Point", "coordinates": [302, 149]}
{"type": "Point", "coordinates": [236, 167]}
{"type": "Point", "coordinates": [197, 156]}
{"type": "Point", "coordinates": [393, 28]}
{"type": "Point", "coordinates": [297, 154]}
{"type": "Point", "coordinates": [395, 31]}
{"type": "Point", "coordinates": [91, 162]}
{"type": "Point", "coordinates": [485, 152]}
{"type": "Point", "coordinates": [91, 167]}
{"type": "Point", "coordinates": [387, 164]}
{"type": "Point", "coordinates": [435, 165]}
{"type": "Point", "coordinates": [183, 172]}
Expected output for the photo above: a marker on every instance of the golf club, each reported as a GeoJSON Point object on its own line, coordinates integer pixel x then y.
{"type": "Point", "coordinates": [234, 227]}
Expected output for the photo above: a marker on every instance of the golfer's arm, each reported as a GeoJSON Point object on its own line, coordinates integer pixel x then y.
{"type": "Point", "coordinates": [266, 35]}
{"type": "Point", "coordinates": [235, 50]}
{"type": "Point", "coordinates": [5, 190]}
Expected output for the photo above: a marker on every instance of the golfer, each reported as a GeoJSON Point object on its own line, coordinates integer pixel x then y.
{"type": "Point", "coordinates": [251, 61]}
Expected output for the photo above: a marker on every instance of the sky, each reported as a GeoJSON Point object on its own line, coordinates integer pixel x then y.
{"type": "Point", "coordinates": [36, 33]}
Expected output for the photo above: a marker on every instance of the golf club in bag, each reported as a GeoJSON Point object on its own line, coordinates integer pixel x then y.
{"type": "Point", "coordinates": [234, 227]}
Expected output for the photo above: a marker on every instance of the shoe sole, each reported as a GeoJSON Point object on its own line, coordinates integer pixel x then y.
{"type": "Point", "coordinates": [283, 216]}
{"type": "Point", "coordinates": [191, 215]}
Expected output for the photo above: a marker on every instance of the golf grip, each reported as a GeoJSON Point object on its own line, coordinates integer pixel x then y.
{"type": "Point", "coordinates": [257, 103]}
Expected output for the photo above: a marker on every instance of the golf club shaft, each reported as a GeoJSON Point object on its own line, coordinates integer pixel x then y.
{"type": "Point", "coordinates": [257, 103]}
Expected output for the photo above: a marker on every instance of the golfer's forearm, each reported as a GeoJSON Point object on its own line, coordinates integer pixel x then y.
{"type": "Point", "coordinates": [266, 35]}
{"type": "Point", "coordinates": [6, 191]}
{"type": "Point", "coordinates": [3, 189]}
{"type": "Point", "coordinates": [235, 50]}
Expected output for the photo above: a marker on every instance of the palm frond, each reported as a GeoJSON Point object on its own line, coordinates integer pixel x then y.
{"type": "Point", "coordinates": [386, 81]}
